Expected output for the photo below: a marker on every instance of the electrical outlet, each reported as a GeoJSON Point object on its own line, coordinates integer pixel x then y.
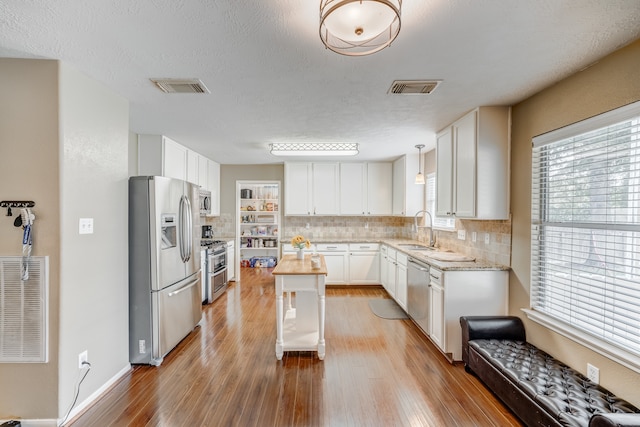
{"type": "Point", "coordinates": [487, 238]}
{"type": "Point", "coordinates": [593, 373]}
{"type": "Point", "coordinates": [366, 225]}
{"type": "Point", "coordinates": [462, 234]}
{"type": "Point", "coordinates": [474, 236]}
{"type": "Point", "coordinates": [83, 357]}
{"type": "Point", "coordinates": [308, 226]}
{"type": "Point", "coordinates": [142, 346]}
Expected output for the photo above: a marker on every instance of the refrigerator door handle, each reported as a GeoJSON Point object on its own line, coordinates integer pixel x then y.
{"type": "Point", "coordinates": [181, 225]}
{"type": "Point", "coordinates": [189, 234]}
{"type": "Point", "coordinates": [182, 289]}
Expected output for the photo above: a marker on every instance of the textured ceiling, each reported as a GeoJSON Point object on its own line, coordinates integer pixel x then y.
{"type": "Point", "coordinates": [271, 79]}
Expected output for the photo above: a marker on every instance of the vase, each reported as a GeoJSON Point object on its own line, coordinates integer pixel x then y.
{"type": "Point", "coordinates": [300, 254]}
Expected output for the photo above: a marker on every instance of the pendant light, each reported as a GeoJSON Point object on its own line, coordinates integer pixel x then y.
{"type": "Point", "coordinates": [419, 175]}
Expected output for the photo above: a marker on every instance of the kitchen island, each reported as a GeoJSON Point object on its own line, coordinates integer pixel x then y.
{"type": "Point", "coordinates": [300, 328]}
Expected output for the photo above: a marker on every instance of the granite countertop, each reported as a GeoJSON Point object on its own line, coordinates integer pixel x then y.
{"type": "Point", "coordinates": [420, 255]}
{"type": "Point", "coordinates": [442, 265]}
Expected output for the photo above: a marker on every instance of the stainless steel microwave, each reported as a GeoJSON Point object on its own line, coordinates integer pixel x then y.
{"type": "Point", "coordinates": [205, 202]}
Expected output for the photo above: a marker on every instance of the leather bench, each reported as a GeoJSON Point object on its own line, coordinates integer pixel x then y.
{"type": "Point", "coordinates": [539, 389]}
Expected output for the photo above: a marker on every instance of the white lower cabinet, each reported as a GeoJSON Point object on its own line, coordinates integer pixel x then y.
{"type": "Point", "coordinates": [456, 293]}
{"type": "Point", "coordinates": [393, 274]}
{"type": "Point", "coordinates": [231, 260]}
{"type": "Point", "coordinates": [401, 280]}
{"type": "Point", "coordinates": [436, 308]}
{"type": "Point", "coordinates": [364, 263]}
{"type": "Point", "coordinates": [391, 278]}
{"type": "Point", "coordinates": [336, 257]}
{"type": "Point", "coordinates": [384, 266]}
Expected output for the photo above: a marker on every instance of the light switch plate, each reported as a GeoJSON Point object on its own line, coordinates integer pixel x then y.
{"type": "Point", "coordinates": [487, 238]}
{"type": "Point", "coordinates": [462, 234]}
{"type": "Point", "coordinates": [86, 226]}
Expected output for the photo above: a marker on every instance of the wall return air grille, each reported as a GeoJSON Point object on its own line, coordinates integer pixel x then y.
{"type": "Point", "coordinates": [23, 310]}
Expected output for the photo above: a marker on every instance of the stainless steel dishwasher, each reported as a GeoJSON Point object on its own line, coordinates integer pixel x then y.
{"type": "Point", "coordinates": [418, 293]}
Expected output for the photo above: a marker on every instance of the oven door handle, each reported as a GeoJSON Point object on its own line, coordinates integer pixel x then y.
{"type": "Point", "coordinates": [220, 270]}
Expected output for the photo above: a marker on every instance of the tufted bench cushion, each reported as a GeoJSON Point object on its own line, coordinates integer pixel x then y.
{"type": "Point", "coordinates": [538, 388]}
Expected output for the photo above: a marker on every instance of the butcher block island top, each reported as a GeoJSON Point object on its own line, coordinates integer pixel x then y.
{"type": "Point", "coordinates": [300, 328]}
{"type": "Point", "coordinates": [289, 264]}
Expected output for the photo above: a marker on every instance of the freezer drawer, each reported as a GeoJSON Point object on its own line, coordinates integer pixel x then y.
{"type": "Point", "coordinates": [179, 309]}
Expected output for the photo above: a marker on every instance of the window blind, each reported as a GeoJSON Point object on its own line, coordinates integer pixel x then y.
{"type": "Point", "coordinates": [585, 229]}
{"type": "Point", "coordinates": [438, 222]}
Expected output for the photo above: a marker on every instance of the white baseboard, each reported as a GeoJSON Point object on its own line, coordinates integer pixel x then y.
{"type": "Point", "coordinates": [36, 423]}
{"type": "Point", "coordinates": [79, 408]}
{"type": "Point", "coordinates": [90, 399]}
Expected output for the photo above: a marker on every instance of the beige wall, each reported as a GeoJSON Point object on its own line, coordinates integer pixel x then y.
{"type": "Point", "coordinates": [229, 174]}
{"type": "Point", "coordinates": [612, 82]}
{"type": "Point", "coordinates": [63, 144]}
{"type": "Point", "coordinates": [29, 170]}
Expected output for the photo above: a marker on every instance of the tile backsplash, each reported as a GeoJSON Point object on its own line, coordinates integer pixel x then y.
{"type": "Point", "coordinates": [497, 250]}
{"type": "Point", "coordinates": [346, 227]}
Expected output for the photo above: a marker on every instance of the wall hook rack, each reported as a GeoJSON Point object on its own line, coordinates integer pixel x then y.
{"type": "Point", "coordinates": [17, 204]}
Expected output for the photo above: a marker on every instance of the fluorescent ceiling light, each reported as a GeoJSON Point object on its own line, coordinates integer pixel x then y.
{"type": "Point", "coordinates": [313, 149]}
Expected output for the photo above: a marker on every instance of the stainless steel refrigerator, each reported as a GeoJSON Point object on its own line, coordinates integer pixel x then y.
{"type": "Point", "coordinates": [165, 296]}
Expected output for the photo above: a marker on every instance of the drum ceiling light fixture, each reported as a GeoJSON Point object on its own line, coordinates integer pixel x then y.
{"type": "Point", "coordinates": [359, 27]}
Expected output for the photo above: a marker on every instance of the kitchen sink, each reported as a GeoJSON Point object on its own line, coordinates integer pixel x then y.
{"type": "Point", "coordinates": [414, 247]}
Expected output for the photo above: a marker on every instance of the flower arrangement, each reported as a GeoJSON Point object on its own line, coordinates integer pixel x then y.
{"type": "Point", "coordinates": [299, 242]}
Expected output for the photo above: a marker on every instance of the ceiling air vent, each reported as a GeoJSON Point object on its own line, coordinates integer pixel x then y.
{"type": "Point", "coordinates": [181, 85]}
{"type": "Point", "coordinates": [413, 87]}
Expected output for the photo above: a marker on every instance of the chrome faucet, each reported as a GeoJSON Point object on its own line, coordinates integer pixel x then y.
{"type": "Point", "coordinates": [432, 240]}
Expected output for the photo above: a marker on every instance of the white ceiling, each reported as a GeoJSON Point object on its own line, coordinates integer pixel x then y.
{"type": "Point", "coordinates": [272, 80]}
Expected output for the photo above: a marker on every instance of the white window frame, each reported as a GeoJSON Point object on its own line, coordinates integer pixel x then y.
{"type": "Point", "coordinates": [439, 222]}
{"type": "Point", "coordinates": [558, 312]}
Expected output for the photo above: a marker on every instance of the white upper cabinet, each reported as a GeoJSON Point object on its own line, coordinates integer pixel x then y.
{"type": "Point", "coordinates": [353, 188]}
{"type": "Point", "coordinates": [408, 197]}
{"type": "Point", "coordinates": [297, 189]}
{"type": "Point", "coordinates": [472, 158]}
{"type": "Point", "coordinates": [213, 185]}
{"type": "Point", "coordinates": [444, 173]}
{"type": "Point", "coordinates": [161, 156]}
{"type": "Point", "coordinates": [325, 188]}
{"type": "Point", "coordinates": [203, 171]}
{"type": "Point", "coordinates": [379, 188]}
{"type": "Point", "coordinates": [338, 188]}
{"type": "Point", "coordinates": [365, 188]}
{"type": "Point", "coordinates": [193, 164]}
{"type": "Point", "coordinates": [312, 188]}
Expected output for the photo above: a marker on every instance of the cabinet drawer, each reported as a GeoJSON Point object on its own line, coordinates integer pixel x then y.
{"type": "Point", "coordinates": [364, 247]}
{"type": "Point", "coordinates": [332, 247]}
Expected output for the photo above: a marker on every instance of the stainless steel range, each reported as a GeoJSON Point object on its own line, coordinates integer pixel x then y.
{"type": "Point", "coordinates": [216, 265]}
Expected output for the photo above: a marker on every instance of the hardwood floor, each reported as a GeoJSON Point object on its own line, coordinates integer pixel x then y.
{"type": "Point", "coordinates": [376, 372]}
